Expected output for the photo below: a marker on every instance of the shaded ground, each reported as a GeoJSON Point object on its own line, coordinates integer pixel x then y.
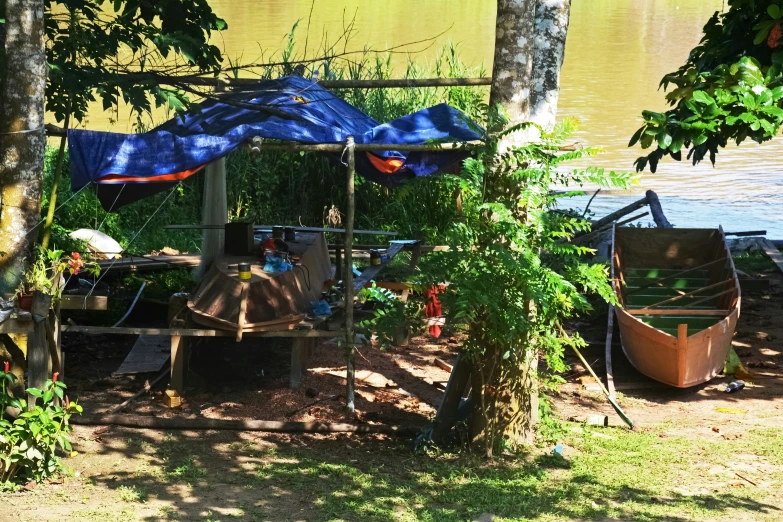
{"type": "Point", "coordinates": [697, 454]}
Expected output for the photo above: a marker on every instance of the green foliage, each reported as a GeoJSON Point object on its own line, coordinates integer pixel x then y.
{"type": "Point", "coordinates": [49, 266]}
{"type": "Point", "coordinates": [729, 89]}
{"type": "Point", "coordinates": [512, 275]}
{"type": "Point", "coordinates": [95, 47]}
{"type": "Point", "coordinates": [29, 444]}
{"type": "Point", "coordinates": [390, 314]}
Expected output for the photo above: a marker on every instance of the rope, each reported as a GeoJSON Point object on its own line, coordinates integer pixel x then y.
{"type": "Point", "coordinates": [134, 238]}
{"type": "Point", "coordinates": [58, 208]}
{"type": "Point", "coordinates": [26, 131]}
{"type": "Point", "coordinates": [112, 207]}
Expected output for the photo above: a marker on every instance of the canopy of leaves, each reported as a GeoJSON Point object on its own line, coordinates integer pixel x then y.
{"type": "Point", "coordinates": [92, 45]}
{"type": "Point", "coordinates": [729, 89]}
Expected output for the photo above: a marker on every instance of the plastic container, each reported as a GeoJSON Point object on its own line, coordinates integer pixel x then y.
{"type": "Point", "coordinates": [735, 386]}
{"type": "Point", "coordinates": [289, 234]}
{"type": "Point", "coordinates": [277, 232]}
{"type": "Point", "coordinates": [244, 271]}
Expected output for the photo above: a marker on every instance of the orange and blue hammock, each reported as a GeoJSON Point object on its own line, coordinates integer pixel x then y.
{"type": "Point", "coordinates": [128, 167]}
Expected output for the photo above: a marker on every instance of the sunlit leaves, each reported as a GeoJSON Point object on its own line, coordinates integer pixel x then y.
{"type": "Point", "coordinates": [729, 89]}
{"type": "Point", "coordinates": [94, 44]}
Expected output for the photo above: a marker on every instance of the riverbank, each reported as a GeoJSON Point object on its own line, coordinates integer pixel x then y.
{"type": "Point", "coordinates": [696, 454]}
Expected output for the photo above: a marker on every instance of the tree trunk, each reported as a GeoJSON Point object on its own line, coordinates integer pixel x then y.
{"type": "Point", "coordinates": [512, 69]}
{"type": "Point", "coordinates": [529, 49]}
{"type": "Point", "coordinates": [22, 138]}
{"type": "Point", "coordinates": [551, 27]}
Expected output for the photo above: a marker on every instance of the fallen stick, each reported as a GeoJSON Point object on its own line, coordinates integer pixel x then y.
{"type": "Point", "coordinates": [142, 391]}
{"type": "Point", "coordinates": [160, 423]}
{"type": "Point", "coordinates": [745, 479]}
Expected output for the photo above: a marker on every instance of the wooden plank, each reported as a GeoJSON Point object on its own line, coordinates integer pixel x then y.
{"type": "Point", "coordinates": [191, 332]}
{"type": "Point", "coordinates": [772, 251]}
{"type": "Point", "coordinates": [38, 360]}
{"type": "Point", "coordinates": [14, 326]}
{"type": "Point", "coordinates": [373, 270]}
{"type": "Point", "coordinates": [84, 302]}
{"type": "Point", "coordinates": [350, 285]}
{"type": "Point", "coordinates": [449, 404]}
{"type": "Point", "coordinates": [677, 275]}
{"type": "Point", "coordinates": [678, 312]}
{"type": "Point", "coordinates": [677, 298]}
{"type": "Point", "coordinates": [682, 352]}
{"type": "Point", "coordinates": [177, 364]}
{"type": "Point", "coordinates": [149, 354]}
{"type": "Point", "coordinates": [609, 332]}
{"type": "Point", "coordinates": [150, 262]}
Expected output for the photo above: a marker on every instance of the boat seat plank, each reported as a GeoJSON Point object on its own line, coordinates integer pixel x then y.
{"type": "Point", "coordinates": [657, 273]}
{"type": "Point", "coordinates": [694, 323]}
{"type": "Point", "coordinates": [636, 300]}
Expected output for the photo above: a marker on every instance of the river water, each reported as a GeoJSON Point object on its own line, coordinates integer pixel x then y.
{"type": "Point", "coordinates": [616, 53]}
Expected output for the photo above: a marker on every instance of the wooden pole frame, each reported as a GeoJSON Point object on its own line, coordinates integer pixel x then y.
{"type": "Point", "coordinates": [350, 355]}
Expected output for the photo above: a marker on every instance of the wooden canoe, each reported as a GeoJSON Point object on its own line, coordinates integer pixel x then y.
{"type": "Point", "coordinates": [268, 301]}
{"type": "Point", "coordinates": [679, 301]}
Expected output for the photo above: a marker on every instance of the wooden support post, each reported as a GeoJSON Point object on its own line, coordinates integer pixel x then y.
{"type": "Point", "coordinates": [177, 383]}
{"type": "Point", "coordinates": [682, 352]}
{"type": "Point", "coordinates": [38, 358]}
{"type": "Point", "coordinates": [298, 356]}
{"type": "Point", "coordinates": [350, 354]}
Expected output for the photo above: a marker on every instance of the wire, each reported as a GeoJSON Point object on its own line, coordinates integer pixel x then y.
{"type": "Point", "coordinates": [134, 238]}
{"type": "Point", "coordinates": [21, 131]}
{"type": "Point", "coordinates": [306, 276]}
{"type": "Point", "coordinates": [58, 208]}
{"type": "Point", "coordinates": [112, 207]}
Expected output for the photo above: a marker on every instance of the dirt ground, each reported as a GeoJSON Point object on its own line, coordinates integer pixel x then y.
{"type": "Point", "coordinates": [127, 474]}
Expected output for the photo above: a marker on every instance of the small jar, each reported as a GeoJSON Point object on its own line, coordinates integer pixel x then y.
{"type": "Point", "coordinates": [277, 232]}
{"type": "Point", "coordinates": [244, 271]}
{"type": "Point", "coordinates": [290, 234]}
{"type": "Point", "coordinates": [375, 257]}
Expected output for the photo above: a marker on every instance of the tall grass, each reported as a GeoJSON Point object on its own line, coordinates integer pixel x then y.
{"type": "Point", "coordinates": [294, 188]}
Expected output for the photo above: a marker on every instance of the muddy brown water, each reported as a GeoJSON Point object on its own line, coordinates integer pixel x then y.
{"type": "Point", "coordinates": [617, 51]}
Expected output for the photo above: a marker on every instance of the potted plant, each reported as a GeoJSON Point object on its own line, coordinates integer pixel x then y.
{"type": "Point", "coordinates": [42, 281]}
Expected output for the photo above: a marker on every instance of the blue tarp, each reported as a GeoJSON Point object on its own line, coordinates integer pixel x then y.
{"type": "Point", "coordinates": [184, 144]}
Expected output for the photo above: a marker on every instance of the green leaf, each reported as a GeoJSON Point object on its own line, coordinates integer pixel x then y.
{"type": "Point", "coordinates": [774, 11]}
{"type": "Point", "coordinates": [635, 137]}
{"type": "Point", "coordinates": [664, 139]}
{"type": "Point", "coordinates": [703, 98]}
{"type": "Point", "coordinates": [654, 117]}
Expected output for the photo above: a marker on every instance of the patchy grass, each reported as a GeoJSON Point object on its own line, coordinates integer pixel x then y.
{"type": "Point", "coordinates": [654, 475]}
{"type": "Point", "coordinates": [753, 262]}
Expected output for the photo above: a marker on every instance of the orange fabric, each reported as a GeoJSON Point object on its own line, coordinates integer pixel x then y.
{"type": "Point", "coordinates": [433, 307]}
{"type": "Point", "coordinates": [177, 176]}
{"type": "Point", "coordinates": [385, 165]}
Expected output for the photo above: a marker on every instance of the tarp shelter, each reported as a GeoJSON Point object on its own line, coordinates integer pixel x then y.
{"type": "Point", "coordinates": [128, 167]}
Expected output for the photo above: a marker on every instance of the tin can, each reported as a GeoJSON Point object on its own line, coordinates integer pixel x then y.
{"type": "Point", "coordinates": [375, 257]}
{"type": "Point", "coordinates": [384, 257]}
{"type": "Point", "coordinates": [244, 271]}
{"type": "Point", "coordinates": [277, 232]}
{"type": "Point", "coordinates": [290, 234]}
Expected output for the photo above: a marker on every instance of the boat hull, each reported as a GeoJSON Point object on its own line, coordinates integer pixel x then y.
{"type": "Point", "coordinates": [268, 301]}
{"type": "Point", "coordinates": [664, 334]}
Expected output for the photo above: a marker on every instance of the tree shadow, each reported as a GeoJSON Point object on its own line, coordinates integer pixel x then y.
{"type": "Point", "coordinates": [251, 476]}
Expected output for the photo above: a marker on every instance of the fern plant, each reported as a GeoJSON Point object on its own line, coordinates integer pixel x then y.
{"type": "Point", "coordinates": [513, 275]}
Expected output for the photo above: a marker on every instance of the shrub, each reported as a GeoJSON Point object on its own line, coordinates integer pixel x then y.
{"type": "Point", "coordinates": [29, 443]}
